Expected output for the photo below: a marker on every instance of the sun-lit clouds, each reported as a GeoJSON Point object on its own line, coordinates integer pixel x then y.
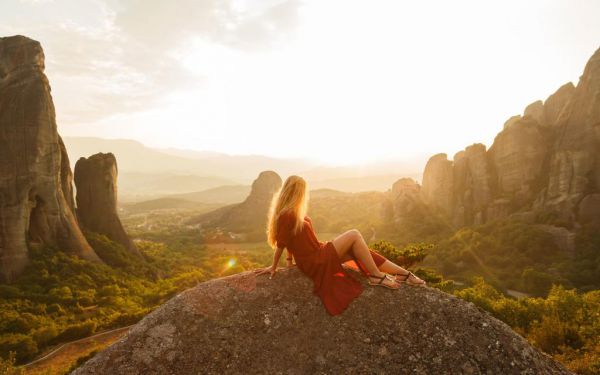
{"type": "Point", "coordinates": [341, 81]}
{"type": "Point", "coordinates": [109, 57]}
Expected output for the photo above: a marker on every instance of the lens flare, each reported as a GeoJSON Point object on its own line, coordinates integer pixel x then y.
{"type": "Point", "coordinates": [230, 263]}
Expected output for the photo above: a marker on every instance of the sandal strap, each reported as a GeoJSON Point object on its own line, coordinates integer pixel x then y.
{"type": "Point", "coordinates": [381, 278]}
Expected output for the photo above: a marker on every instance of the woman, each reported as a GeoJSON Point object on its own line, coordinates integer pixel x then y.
{"type": "Point", "coordinates": [289, 227]}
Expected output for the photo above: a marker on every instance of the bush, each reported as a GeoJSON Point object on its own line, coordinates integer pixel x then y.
{"type": "Point", "coordinates": [406, 257]}
{"type": "Point", "coordinates": [77, 331]}
{"type": "Point", "coordinates": [7, 366]}
{"type": "Point", "coordinates": [24, 346]}
{"type": "Point", "coordinates": [551, 334]}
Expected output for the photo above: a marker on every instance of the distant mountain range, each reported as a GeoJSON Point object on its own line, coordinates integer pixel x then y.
{"type": "Point", "coordinates": [146, 173]}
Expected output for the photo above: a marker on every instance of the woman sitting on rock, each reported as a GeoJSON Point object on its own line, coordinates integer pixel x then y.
{"type": "Point", "coordinates": [289, 227]}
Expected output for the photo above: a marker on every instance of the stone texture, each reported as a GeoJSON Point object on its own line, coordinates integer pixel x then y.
{"type": "Point", "coordinates": [589, 211]}
{"type": "Point", "coordinates": [36, 202]}
{"type": "Point", "coordinates": [250, 325]}
{"type": "Point", "coordinates": [249, 215]}
{"type": "Point", "coordinates": [472, 185]}
{"type": "Point", "coordinates": [575, 160]}
{"type": "Point", "coordinates": [405, 198]}
{"type": "Point", "coordinates": [544, 162]}
{"type": "Point", "coordinates": [562, 237]}
{"type": "Point", "coordinates": [438, 183]}
{"type": "Point", "coordinates": [535, 111]}
{"type": "Point", "coordinates": [556, 107]}
{"type": "Point", "coordinates": [96, 183]}
{"type": "Point", "coordinates": [518, 153]}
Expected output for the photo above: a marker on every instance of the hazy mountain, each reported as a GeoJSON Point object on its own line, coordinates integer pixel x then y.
{"type": "Point", "coordinates": [167, 204]}
{"type": "Point", "coordinates": [135, 186]}
{"type": "Point", "coordinates": [132, 156]}
{"type": "Point", "coordinates": [356, 184]}
{"type": "Point", "coordinates": [222, 194]}
{"type": "Point", "coordinates": [147, 173]}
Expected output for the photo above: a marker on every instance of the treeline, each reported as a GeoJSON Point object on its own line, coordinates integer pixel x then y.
{"type": "Point", "coordinates": [61, 298]}
{"type": "Point", "coordinates": [519, 256]}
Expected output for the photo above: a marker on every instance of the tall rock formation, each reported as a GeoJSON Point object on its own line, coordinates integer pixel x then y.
{"type": "Point", "coordinates": [36, 202]}
{"type": "Point", "coordinates": [575, 154]}
{"type": "Point", "coordinates": [250, 216]}
{"type": "Point", "coordinates": [404, 199]}
{"type": "Point", "coordinates": [96, 183]}
{"type": "Point", "coordinates": [438, 183]}
{"type": "Point", "coordinates": [244, 324]}
{"type": "Point", "coordinates": [545, 162]}
{"type": "Point", "coordinates": [472, 185]}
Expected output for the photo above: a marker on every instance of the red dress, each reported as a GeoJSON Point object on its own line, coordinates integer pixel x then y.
{"type": "Point", "coordinates": [319, 261]}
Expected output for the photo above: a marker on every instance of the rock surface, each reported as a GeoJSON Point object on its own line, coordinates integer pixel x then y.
{"type": "Point", "coordinates": [248, 324]}
{"type": "Point", "coordinates": [438, 183]}
{"type": "Point", "coordinates": [36, 201]}
{"type": "Point", "coordinates": [544, 162]}
{"type": "Point", "coordinates": [250, 215]}
{"type": "Point", "coordinates": [96, 183]}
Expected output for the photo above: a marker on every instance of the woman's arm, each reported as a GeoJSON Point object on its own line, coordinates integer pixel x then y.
{"type": "Point", "coordinates": [290, 258]}
{"type": "Point", "coordinates": [273, 267]}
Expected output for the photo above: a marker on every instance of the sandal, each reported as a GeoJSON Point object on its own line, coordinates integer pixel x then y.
{"type": "Point", "coordinates": [380, 282]}
{"type": "Point", "coordinates": [407, 279]}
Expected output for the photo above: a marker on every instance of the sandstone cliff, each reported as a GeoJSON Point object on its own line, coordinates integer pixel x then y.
{"type": "Point", "coordinates": [36, 201]}
{"type": "Point", "coordinates": [96, 183]}
{"type": "Point", "coordinates": [544, 163]}
{"type": "Point", "coordinates": [249, 215]}
{"type": "Point", "coordinates": [248, 324]}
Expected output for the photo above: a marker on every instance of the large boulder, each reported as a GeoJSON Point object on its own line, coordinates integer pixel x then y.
{"type": "Point", "coordinates": [36, 201]}
{"type": "Point", "coordinates": [96, 183]}
{"type": "Point", "coordinates": [243, 324]}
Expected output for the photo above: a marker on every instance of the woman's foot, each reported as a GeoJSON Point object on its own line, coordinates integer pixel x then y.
{"type": "Point", "coordinates": [384, 280]}
{"type": "Point", "coordinates": [410, 279]}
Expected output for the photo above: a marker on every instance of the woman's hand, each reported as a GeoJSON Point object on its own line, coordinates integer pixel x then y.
{"type": "Point", "coordinates": [272, 270]}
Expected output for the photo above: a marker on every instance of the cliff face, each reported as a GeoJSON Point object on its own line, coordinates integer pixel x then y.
{"type": "Point", "coordinates": [546, 161]}
{"type": "Point", "coordinates": [36, 201]}
{"type": "Point", "coordinates": [96, 183]}
{"type": "Point", "coordinates": [248, 324]}
{"type": "Point", "coordinates": [249, 215]}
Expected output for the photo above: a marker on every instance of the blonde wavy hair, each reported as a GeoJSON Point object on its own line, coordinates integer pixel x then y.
{"type": "Point", "coordinates": [293, 195]}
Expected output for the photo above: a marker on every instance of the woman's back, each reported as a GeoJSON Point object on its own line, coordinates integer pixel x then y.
{"type": "Point", "coordinates": [303, 244]}
{"type": "Point", "coordinates": [319, 261]}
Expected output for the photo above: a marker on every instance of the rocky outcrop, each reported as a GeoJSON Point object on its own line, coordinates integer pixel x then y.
{"type": "Point", "coordinates": [517, 155]}
{"type": "Point", "coordinates": [472, 185]}
{"type": "Point", "coordinates": [248, 324]}
{"type": "Point", "coordinates": [546, 161]}
{"type": "Point", "coordinates": [250, 216]}
{"type": "Point", "coordinates": [575, 157]}
{"type": "Point", "coordinates": [36, 201]}
{"type": "Point", "coordinates": [438, 183]}
{"type": "Point", "coordinates": [404, 198]}
{"type": "Point", "coordinates": [96, 183]}
{"type": "Point", "coordinates": [556, 107]}
{"type": "Point", "coordinates": [589, 211]}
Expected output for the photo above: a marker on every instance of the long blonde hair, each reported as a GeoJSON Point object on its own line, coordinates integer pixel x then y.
{"type": "Point", "coordinates": [293, 195]}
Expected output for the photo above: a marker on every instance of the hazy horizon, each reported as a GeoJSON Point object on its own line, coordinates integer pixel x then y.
{"type": "Point", "coordinates": [352, 83]}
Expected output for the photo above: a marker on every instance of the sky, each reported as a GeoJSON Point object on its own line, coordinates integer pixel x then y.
{"type": "Point", "coordinates": [341, 82]}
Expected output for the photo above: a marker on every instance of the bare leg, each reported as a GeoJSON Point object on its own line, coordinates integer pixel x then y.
{"type": "Point", "coordinates": [353, 241]}
{"type": "Point", "coordinates": [391, 267]}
